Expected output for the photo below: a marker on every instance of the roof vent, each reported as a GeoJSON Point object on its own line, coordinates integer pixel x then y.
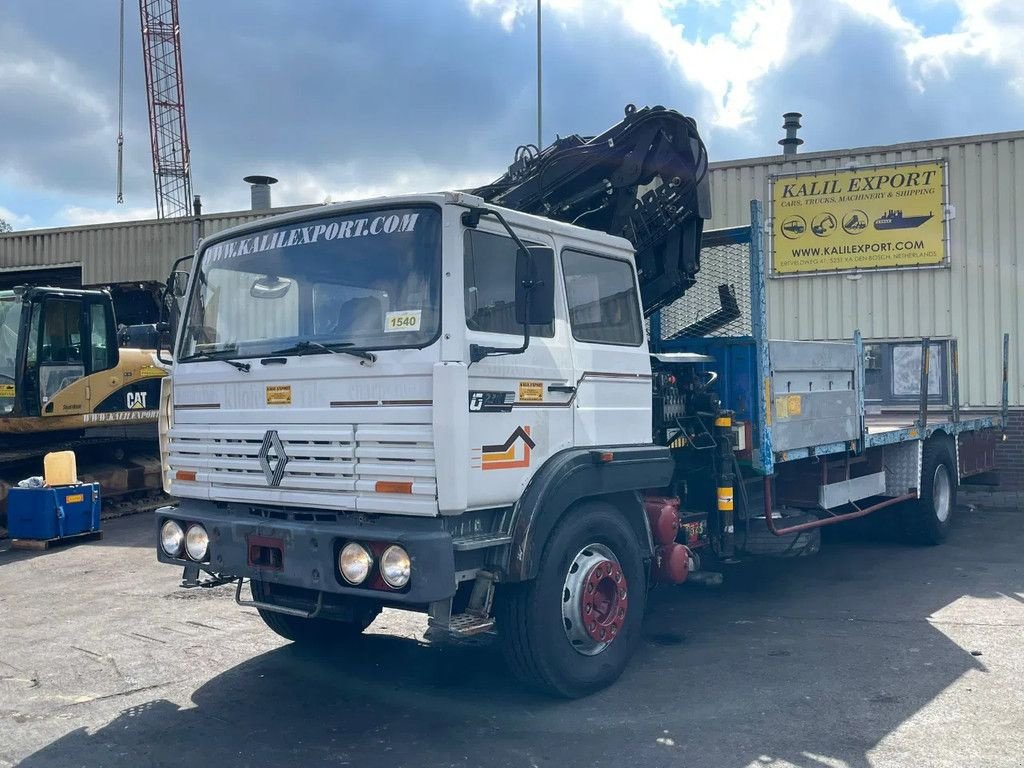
{"type": "Point", "coordinates": [791, 124]}
{"type": "Point", "coordinates": [260, 191]}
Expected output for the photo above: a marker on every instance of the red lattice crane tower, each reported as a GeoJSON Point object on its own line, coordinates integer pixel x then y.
{"type": "Point", "coordinates": [165, 91]}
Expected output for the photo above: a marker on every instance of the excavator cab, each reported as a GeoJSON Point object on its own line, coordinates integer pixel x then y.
{"type": "Point", "coordinates": [52, 340]}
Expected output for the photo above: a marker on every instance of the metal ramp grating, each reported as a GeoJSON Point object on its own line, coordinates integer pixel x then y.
{"type": "Point", "coordinates": [718, 304]}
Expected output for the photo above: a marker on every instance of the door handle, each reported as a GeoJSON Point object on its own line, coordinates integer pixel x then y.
{"type": "Point", "coordinates": [567, 388]}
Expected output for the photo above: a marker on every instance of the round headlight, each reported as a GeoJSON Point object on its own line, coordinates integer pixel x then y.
{"type": "Point", "coordinates": [395, 566]}
{"type": "Point", "coordinates": [197, 542]}
{"type": "Point", "coordinates": [172, 538]}
{"type": "Point", "coordinates": [354, 563]}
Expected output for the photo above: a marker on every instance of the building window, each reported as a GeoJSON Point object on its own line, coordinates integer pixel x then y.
{"type": "Point", "coordinates": [892, 372]}
{"type": "Point", "coordinates": [603, 305]}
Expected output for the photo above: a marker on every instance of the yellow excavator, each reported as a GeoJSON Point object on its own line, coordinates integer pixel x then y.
{"type": "Point", "coordinates": [71, 378]}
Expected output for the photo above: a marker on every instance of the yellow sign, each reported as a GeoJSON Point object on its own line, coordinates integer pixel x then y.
{"type": "Point", "coordinates": [279, 394]}
{"type": "Point", "coordinates": [74, 498]}
{"type": "Point", "coordinates": [531, 391]}
{"type": "Point", "coordinates": [7, 390]}
{"type": "Point", "coordinates": [863, 218]}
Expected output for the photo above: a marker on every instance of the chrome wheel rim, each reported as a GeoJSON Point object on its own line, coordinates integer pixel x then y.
{"type": "Point", "coordinates": [595, 600]}
{"type": "Point", "coordinates": [941, 493]}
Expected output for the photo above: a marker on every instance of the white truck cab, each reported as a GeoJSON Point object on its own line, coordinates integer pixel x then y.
{"type": "Point", "coordinates": [357, 416]}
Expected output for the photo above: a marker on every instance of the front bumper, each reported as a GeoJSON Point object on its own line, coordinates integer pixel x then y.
{"type": "Point", "coordinates": [309, 547]}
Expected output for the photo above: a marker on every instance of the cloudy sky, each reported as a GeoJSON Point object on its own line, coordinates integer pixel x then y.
{"type": "Point", "coordinates": [344, 99]}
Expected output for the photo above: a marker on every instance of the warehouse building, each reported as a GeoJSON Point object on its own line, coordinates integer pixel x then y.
{"type": "Point", "coordinates": [903, 242]}
{"type": "Point", "coordinates": [958, 275]}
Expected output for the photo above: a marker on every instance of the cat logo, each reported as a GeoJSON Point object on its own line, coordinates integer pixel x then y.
{"type": "Point", "coordinates": [509, 455]}
{"type": "Point", "coordinates": [136, 401]}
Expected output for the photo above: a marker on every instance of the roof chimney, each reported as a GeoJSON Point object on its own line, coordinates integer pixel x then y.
{"type": "Point", "coordinates": [260, 191]}
{"type": "Point", "coordinates": [791, 124]}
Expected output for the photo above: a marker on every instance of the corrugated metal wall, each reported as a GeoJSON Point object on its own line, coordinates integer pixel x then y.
{"type": "Point", "coordinates": [122, 252]}
{"type": "Point", "coordinates": [975, 300]}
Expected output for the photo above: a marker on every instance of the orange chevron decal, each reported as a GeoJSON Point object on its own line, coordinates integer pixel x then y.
{"type": "Point", "coordinates": [505, 456]}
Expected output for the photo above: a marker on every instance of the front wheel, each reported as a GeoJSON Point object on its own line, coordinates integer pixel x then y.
{"type": "Point", "coordinates": [313, 632]}
{"type": "Point", "coordinates": [571, 631]}
{"type": "Point", "coordinates": [927, 520]}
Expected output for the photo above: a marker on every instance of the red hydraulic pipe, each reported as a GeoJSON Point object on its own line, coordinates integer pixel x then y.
{"type": "Point", "coordinates": [826, 521]}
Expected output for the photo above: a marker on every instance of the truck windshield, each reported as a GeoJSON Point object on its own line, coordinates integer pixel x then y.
{"type": "Point", "coordinates": [362, 281]}
{"type": "Point", "coordinates": [10, 320]}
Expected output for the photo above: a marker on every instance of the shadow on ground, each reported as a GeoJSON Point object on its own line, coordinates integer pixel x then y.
{"type": "Point", "coordinates": [812, 661]}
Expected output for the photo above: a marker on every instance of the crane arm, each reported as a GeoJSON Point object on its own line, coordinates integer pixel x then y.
{"type": "Point", "coordinates": [644, 179]}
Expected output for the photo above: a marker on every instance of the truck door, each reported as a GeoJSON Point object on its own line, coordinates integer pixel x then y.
{"type": "Point", "coordinates": [520, 406]}
{"type": "Point", "coordinates": [612, 364]}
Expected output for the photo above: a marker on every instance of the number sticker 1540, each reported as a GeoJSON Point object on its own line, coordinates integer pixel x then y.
{"type": "Point", "coordinates": [402, 321]}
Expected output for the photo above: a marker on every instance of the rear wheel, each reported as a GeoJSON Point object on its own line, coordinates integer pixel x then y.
{"type": "Point", "coordinates": [314, 632]}
{"type": "Point", "coordinates": [572, 630]}
{"type": "Point", "coordinates": [927, 520]}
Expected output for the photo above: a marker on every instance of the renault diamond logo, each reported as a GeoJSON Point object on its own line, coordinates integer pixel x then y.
{"type": "Point", "coordinates": [272, 450]}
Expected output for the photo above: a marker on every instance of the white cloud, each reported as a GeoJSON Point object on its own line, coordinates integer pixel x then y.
{"type": "Point", "coordinates": [726, 65]}
{"type": "Point", "coordinates": [992, 30]}
{"type": "Point", "coordinates": [16, 220]}
{"type": "Point", "coordinates": [764, 36]}
{"type": "Point", "coordinates": [300, 186]}
{"type": "Point", "coordinates": [76, 215]}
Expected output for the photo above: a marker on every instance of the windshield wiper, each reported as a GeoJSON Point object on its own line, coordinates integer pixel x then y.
{"type": "Point", "coordinates": [212, 356]}
{"type": "Point", "coordinates": [308, 347]}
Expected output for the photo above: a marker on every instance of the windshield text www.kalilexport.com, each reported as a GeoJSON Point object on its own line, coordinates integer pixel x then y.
{"type": "Point", "coordinates": [335, 230]}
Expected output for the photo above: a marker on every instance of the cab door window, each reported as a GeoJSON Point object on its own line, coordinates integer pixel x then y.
{"type": "Point", "coordinates": [602, 296]}
{"type": "Point", "coordinates": [489, 275]}
{"type": "Point", "coordinates": [100, 352]}
{"type": "Point", "coordinates": [62, 332]}
{"type": "Point", "coordinates": [60, 347]}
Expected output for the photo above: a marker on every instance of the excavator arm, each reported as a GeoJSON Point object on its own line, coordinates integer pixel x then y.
{"type": "Point", "coordinates": [644, 179]}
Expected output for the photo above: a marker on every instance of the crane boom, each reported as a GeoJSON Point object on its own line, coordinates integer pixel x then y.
{"type": "Point", "coordinates": [165, 91]}
{"type": "Point", "coordinates": [644, 179]}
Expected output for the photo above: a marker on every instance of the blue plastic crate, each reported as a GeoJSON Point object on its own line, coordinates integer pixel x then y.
{"type": "Point", "coordinates": [53, 513]}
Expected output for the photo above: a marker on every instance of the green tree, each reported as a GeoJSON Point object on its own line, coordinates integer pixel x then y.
{"type": "Point", "coordinates": [5, 226]}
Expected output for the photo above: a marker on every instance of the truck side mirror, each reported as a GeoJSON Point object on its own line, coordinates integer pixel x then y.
{"type": "Point", "coordinates": [177, 284]}
{"type": "Point", "coordinates": [535, 286]}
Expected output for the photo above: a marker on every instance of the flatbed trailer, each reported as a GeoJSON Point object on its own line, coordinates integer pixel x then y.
{"type": "Point", "coordinates": [801, 423]}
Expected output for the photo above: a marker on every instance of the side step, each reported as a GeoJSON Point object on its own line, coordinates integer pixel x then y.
{"type": "Point", "coordinates": [480, 541]}
{"type": "Point", "coordinates": [476, 619]}
{"type": "Point", "coordinates": [468, 624]}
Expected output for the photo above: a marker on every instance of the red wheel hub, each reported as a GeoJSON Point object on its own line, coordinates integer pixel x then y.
{"type": "Point", "coordinates": [604, 601]}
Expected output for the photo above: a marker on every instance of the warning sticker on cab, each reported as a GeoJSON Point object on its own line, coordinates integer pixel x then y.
{"type": "Point", "coordinates": [408, 320]}
{"type": "Point", "coordinates": [279, 394]}
{"type": "Point", "coordinates": [7, 390]}
{"type": "Point", "coordinates": [531, 391]}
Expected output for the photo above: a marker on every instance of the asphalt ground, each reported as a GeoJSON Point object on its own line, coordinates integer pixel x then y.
{"type": "Point", "coordinates": [869, 654]}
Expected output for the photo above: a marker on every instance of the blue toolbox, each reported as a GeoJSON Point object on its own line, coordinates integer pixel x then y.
{"type": "Point", "coordinates": [56, 512]}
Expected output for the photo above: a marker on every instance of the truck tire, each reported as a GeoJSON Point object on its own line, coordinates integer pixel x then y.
{"type": "Point", "coordinates": [926, 520]}
{"type": "Point", "coordinates": [572, 630]}
{"type": "Point", "coordinates": [312, 632]}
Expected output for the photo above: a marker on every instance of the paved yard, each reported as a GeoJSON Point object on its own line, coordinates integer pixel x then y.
{"type": "Point", "coordinates": [869, 654]}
